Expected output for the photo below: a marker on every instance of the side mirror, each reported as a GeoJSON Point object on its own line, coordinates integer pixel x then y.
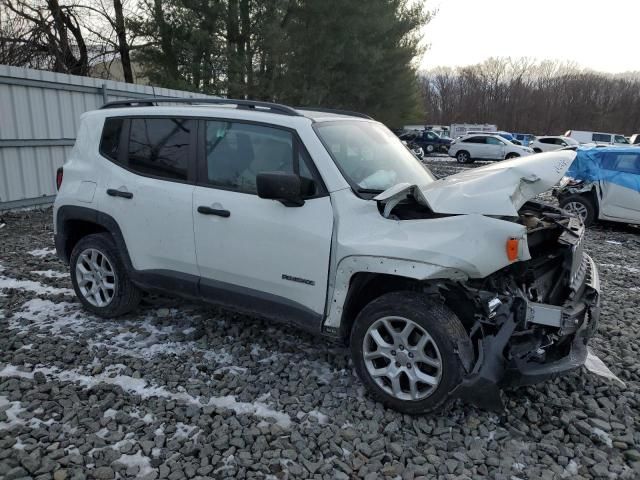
{"type": "Point", "coordinates": [284, 187]}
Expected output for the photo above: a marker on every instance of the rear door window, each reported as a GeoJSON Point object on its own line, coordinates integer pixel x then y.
{"type": "Point", "coordinates": [621, 162]}
{"type": "Point", "coordinates": [628, 163]}
{"type": "Point", "coordinates": [481, 140]}
{"type": "Point", "coordinates": [160, 147]}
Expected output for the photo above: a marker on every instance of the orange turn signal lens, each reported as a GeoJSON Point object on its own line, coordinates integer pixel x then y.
{"type": "Point", "coordinates": [512, 249]}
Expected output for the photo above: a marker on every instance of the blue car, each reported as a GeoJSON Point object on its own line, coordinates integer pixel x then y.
{"type": "Point", "coordinates": [603, 183]}
{"type": "Point", "coordinates": [524, 138]}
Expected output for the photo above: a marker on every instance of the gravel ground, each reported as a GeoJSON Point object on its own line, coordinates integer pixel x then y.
{"type": "Point", "coordinates": [180, 390]}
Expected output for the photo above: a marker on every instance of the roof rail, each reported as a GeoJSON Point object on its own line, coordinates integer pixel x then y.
{"type": "Point", "coordinates": [338, 112]}
{"type": "Point", "coordinates": [242, 104]}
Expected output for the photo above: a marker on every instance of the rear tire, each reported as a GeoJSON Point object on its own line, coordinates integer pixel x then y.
{"type": "Point", "coordinates": [429, 149]}
{"type": "Point", "coordinates": [463, 157]}
{"type": "Point", "coordinates": [100, 279]}
{"type": "Point", "coordinates": [582, 206]}
{"type": "Point", "coordinates": [424, 346]}
{"type": "Point", "coordinates": [537, 150]}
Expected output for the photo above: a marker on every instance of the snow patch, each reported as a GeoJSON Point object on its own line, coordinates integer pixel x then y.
{"type": "Point", "coordinates": [603, 436]}
{"type": "Point", "coordinates": [111, 413]}
{"type": "Point", "coordinates": [13, 410]}
{"type": "Point", "coordinates": [518, 467]}
{"type": "Point", "coordinates": [51, 274]}
{"type": "Point", "coordinates": [571, 468]}
{"type": "Point", "coordinates": [53, 317]}
{"type": "Point", "coordinates": [137, 460]}
{"type": "Point", "coordinates": [319, 416]}
{"type": "Point", "coordinates": [14, 371]}
{"type": "Point", "coordinates": [141, 387]}
{"type": "Point", "coordinates": [31, 286]}
{"type": "Point", "coordinates": [42, 252]}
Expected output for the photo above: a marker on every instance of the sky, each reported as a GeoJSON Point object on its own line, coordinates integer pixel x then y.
{"type": "Point", "coordinates": [599, 35]}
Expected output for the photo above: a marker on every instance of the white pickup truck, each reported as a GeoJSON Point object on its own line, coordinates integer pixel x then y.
{"type": "Point", "coordinates": [442, 288]}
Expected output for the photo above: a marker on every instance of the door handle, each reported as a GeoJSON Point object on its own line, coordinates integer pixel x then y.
{"type": "Point", "coordinates": [112, 192]}
{"type": "Point", "coordinates": [214, 211]}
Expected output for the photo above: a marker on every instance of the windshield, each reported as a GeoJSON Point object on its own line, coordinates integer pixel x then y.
{"type": "Point", "coordinates": [620, 139]}
{"type": "Point", "coordinates": [371, 157]}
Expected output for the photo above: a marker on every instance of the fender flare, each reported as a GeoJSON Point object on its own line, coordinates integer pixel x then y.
{"type": "Point", "coordinates": [349, 266]}
{"type": "Point", "coordinates": [69, 213]}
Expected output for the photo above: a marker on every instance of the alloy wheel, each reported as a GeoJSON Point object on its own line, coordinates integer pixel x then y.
{"type": "Point", "coordinates": [578, 208]}
{"type": "Point", "coordinates": [96, 277]}
{"type": "Point", "coordinates": [402, 358]}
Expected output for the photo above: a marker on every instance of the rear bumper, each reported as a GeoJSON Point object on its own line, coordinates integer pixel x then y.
{"type": "Point", "coordinates": [535, 358]}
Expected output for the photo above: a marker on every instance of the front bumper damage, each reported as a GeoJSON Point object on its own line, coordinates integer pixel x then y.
{"type": "Point", "coordinates": [533, 342]}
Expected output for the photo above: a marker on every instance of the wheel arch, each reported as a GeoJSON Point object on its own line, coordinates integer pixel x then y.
{"type": "Point", "coordinates": [590, 194]}
{"type": "Point", "coordinates": [74, 223]}
{"type": "Point", "coordinates": [361, 279]}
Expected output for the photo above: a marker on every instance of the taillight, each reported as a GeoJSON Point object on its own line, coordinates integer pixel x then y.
{"type": "Point", "coordinates": [59, 174]}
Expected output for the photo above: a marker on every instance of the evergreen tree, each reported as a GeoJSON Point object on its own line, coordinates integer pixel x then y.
{"type": "Point", "coordinates": [325, 53]}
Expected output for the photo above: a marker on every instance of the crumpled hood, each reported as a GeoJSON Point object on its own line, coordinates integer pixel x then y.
{"type": "Point", "coordinates": [497, 189]}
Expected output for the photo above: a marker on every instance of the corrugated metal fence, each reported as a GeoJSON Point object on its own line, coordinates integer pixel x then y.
{"type": "Point", "coordinates": [39, 114]}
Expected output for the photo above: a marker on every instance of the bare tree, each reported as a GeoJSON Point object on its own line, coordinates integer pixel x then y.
{"type": "Point", "coordinates": [536, 97]}
{"type": "Point", "coordinates": [49, 30]}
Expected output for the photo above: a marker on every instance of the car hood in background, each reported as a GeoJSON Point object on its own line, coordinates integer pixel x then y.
{"type": "Point", "coordinates": [497, 189]}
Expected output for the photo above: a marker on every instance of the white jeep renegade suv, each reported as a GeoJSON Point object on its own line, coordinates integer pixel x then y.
{"type": "Point", "coordinates": [443, 288]}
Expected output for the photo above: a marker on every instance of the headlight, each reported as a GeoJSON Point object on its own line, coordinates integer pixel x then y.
{"type": "Point", "coordinates": [570, 182]}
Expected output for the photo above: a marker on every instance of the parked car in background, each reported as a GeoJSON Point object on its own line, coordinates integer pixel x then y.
{"type": "Point", "coordinates": [485, 147]}
{"type": "Point", "coordinates": [603, 184]}
{"type": "Point", "coordinates": [597, 137]}
{"type": "Point", "coordinates": [505, 135]}
{"type": "Point", "coordinates": [635, 139]}
{"type": "Point", "coordinates": [550, 143]}
{"type": "Point", "coordinates": [524, 138]}
{"type": "Point", "coordinates": [461, 129]}
{"type": "Point", "coordinates": [429, 141]}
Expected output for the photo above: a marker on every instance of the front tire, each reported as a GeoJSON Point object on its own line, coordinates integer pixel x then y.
{"type": "Point", "coordinates": [581, 206]}
{"type": "Point", "coordinates": [511, 155]}
{"type": "Point", "coordinates": [405, 348]}
{"type": "Point", "coordinates": [100, 279]}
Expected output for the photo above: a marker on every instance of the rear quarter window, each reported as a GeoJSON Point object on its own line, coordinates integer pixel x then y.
{"type": "Point", "coordinates": [110, 140]}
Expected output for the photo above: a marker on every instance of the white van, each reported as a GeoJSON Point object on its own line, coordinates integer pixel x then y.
{"type": "Point", "coordinates": [597, 137]}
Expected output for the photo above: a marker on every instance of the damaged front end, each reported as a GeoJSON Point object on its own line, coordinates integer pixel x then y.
{"type": "Point", "coordinates": [532, 320]}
